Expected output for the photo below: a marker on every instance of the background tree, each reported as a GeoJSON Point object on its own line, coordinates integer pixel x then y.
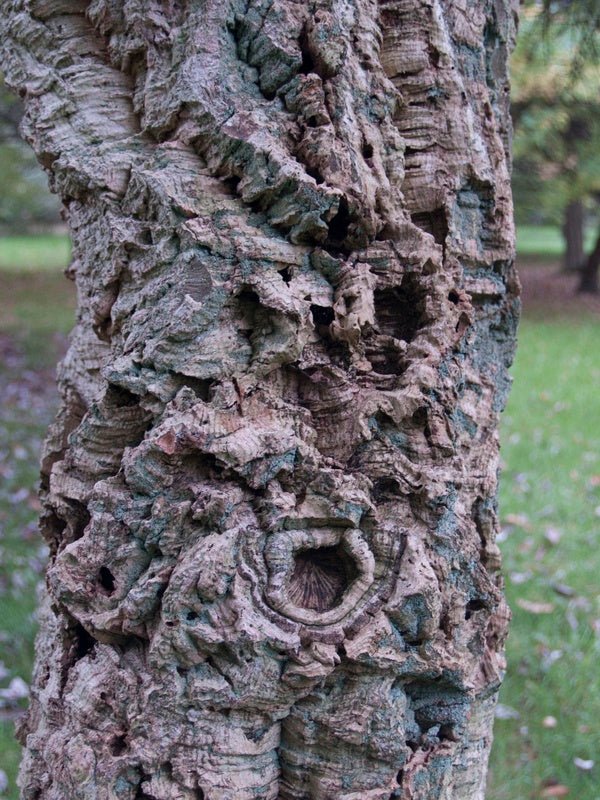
{"type": "Point", "coordinates": [270, 491]}
{"type": "Point", "coordinates": [556, 86]}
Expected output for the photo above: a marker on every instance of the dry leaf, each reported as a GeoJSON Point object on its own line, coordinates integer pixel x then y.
{"type": "Point", "coordinates": [563, 589]}
{"type": "Point", "coordinates": [584, 763]}
{"type": "Point", "coordinates": [506, 712]}
{"type": "Point", "coordinates": [557, 790]}
{"type": "Point", "coordinates": [552, 535]}
{"type": "Point", "coordinates": [519, 520]}
{"type": "Point", "coordinates": [549, 722]}
{"type": "Point", "coordinates": [535, 607]}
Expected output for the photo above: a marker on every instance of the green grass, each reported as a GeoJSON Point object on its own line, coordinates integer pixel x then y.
{"type": "Point", "coordinates": [546, 240]}
{"type": "Point", "coordinates": [550, 482]}
{"type": "Point", "coordinates": [550, 489]}
{"type": "Point", "coordinates": [44, 252]}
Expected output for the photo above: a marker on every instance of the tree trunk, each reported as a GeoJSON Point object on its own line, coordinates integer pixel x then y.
{"type": "Point", "coordinates": [270, 493]}
{"type": "Point", "coordinates": [588, 282]}
{"type": "Point", "coordinates": [573, 235]}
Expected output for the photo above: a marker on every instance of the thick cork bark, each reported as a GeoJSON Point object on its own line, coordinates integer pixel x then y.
{"type": "Point", "coordinates": [270, 493]}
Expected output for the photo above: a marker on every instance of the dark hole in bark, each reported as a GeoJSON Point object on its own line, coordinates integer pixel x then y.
{"type": "Point", "coordinates": [199, 466]}
{"type": "Point", "coordinates": [202, 387]}
{"type": "Point", "coordinates": [106, 579]}
{"type": "Point", "coordinates": [52, 528]}
{"type": "Point", "coordinates": [410, 639]}
{"type": "Point", "coordinates": [103, 329]}
{"type": "Point", "coordinates": [385, 489]}
{"type": "Point", "coordinates": [447, 732]}
{"type": "Point", "coordinates": [312, 122]}
{"type": "Point", "coordinates": [83, 642]}
{"type": "Point", "coordinates": [433, 222]}
{"type": "Point", "coordinates": [400, 777]}
{"type": "Point", "coordinates": [248, 296]}
{"type": "Point", "coordinates": [322, 315]}
{"type": "Point", "coordinates": [118, 745]}
{"type": "Point", "coordinates": [338, 227]}
{"type": "Point", "coordinates": [472, 606]}
{"type": "Point", "coordinates": [79, 522]}
{"type": "Point", "coordinates": [161, 590]}
{"type": "Point", "coordinates": [231, 183]}
{"type": "Point", "coordinates": [321, 576]}
{"type": "Point", "coordinates": [339, 353]}
{"type": "Point", "coordinates": [445, 624]}
{"type": "Point", "coordinates": [367, 150]}
{"type": "Point", "coordinates": [182, 671]}
{"type": "Point", "coordinates": [398, 313]}
{"type": "Point", "coordinates": [286, 274]}
{"type": "Point", "coordinates": [463, 323]}
{"type": "Point", "coordinates": [119, 397]}
{"type": "Point", "coordinates": [191, 616]}
{"type": "Point", "coordinates": [308, 63]}
{"type": "Point", "coordinates": [315, 173]}
{"type": "Point", "coordinates": [268, 94]}
{"type": "Point", "coordinates": [454, 297]}
{"type": "Point", "coordinates": [421, 420]}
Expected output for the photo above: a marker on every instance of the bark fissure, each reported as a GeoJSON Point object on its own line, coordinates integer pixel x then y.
{"type": "Point", "coordinates": [270, 492]}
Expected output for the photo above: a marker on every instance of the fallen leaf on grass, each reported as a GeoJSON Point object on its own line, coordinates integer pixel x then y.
{"type": "Point", "coordinates": [556, 790]}
{"type": "Point", "coordinates": [549, 722]}
{"type": "Point", "coordinates": [521, 577]}
{"type": "Point", "coordinates": [526, 545]}
{"type": "Point", "coordinates": [563, 589]}
{"type": "Point", "coordinates": [16, 690]}
{"type": "Point", "coordinates": [34, 503]}
{"type": "Point", "coordinates": [584, 763]}
{"type": "Point", "coordinates": [534, 607]}
{"type": "Point", "coordinates": [552, 535]}
{"type": "Point", "coordinates": [519, 520]}
{"type": "Point", "coordinates": [506, 712]}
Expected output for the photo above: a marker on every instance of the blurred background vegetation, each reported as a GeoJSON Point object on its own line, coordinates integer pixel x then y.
{"type": "Point", "coordinates": [547, 735]}
{"type": "Point", "coordinates": [26, 205]}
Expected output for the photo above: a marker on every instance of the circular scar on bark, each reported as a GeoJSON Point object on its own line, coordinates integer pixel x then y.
{"type": "Point", "coordinates": [317, 576]}
{"type": "Point", "coordinates": [320, 578]}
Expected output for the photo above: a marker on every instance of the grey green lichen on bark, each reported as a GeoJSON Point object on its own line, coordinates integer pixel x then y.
{"type": "Point", "coordinates": [270, 493]}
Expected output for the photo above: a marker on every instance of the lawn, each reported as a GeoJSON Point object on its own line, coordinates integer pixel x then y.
{"type": "Point", "coordinates": [43, 253]}
{"type": "Point", "coordinates": [550, 509]}
{"type": "Point", "coordinates": [546, 240]}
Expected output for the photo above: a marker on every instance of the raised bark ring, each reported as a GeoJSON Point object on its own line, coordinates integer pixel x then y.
{"type": "Point", "coordinates": [317, 577]}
